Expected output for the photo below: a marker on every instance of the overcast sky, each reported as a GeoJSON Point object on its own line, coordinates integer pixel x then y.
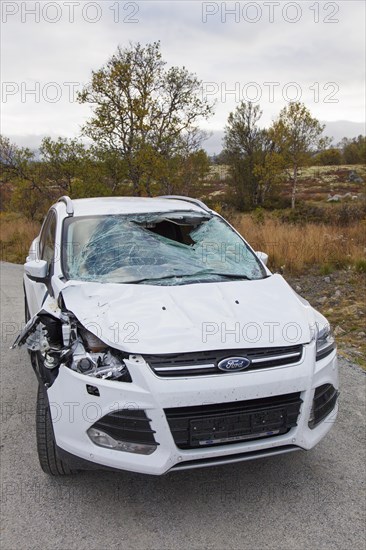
{"type": "Point", "coordinates": [270, 52]}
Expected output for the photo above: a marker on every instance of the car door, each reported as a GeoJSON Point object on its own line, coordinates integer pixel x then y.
{"type": "Point", "coordinates": [35, 291]}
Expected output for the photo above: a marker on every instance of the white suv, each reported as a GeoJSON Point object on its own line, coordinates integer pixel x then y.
{"type": "Point", "coordinates": [162, 342]}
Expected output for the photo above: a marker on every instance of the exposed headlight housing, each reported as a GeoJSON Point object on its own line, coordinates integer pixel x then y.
{"type": "Point", "coordinates": [95, 358]}
{"type": "Point", "coordinates": [325, 342]}
{"type": "Point", "coordinates": [92, 342]}
{"type": "Point", "coordinates": [107, 365]}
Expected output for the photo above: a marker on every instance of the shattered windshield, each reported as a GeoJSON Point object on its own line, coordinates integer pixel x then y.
{"type": "Point", "coordinates": [164, 249]}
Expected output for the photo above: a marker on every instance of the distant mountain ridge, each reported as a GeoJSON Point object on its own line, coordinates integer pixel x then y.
{"type": "Point", "coordinates": [344, 128]}
{"type": "Point", "coordinates": [335, 129]}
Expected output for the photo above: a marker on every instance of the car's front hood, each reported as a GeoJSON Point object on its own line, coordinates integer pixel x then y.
{"type": "Point", "coordinates": [170, 319]}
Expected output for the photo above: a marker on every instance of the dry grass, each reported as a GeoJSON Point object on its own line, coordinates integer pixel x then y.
{"type": "Point", "coordinates": [16, 235]}
{"type": "Point", "coordinates": [295, 248]}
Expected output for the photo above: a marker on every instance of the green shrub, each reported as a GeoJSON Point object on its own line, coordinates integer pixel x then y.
{"type": "Point", "coordinates": [360, 265]}
{"type": "Point", "coordinates": [326, 269]}
{"type": "Point", "coordinates": [258, 216]}
{"type": "Point", "coordinates": [329, 157]}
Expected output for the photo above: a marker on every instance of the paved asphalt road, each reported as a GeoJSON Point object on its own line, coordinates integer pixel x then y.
{"type": "Point", "coordinates": [302, 500]}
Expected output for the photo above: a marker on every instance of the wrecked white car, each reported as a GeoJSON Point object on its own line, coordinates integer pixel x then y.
{"type": "Point", "coordinates": [162, 342]}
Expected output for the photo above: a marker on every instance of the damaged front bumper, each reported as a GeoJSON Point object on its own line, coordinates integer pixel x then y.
{"type": "Point", "coordinates": [141, 410]}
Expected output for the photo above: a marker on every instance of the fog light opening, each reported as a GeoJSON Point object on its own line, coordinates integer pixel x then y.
{"type": "Point", "coordinates": [324, 402]}
{"type": "Point", "coordinates": [102, 439]}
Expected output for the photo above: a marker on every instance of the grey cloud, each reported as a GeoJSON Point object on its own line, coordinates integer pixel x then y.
{"type": "Point", "coordinates": [222, 53]}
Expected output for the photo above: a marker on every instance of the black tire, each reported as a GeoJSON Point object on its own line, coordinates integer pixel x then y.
{"type": "Point", "coordinates": [46, 447]}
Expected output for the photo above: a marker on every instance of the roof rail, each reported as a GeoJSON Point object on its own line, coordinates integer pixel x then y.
{"type": "Point", "coordinates": [69, 206]}
{"type": "Point", "coordinates": [197, 202]}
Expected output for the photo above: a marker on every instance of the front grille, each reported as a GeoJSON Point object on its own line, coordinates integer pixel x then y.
{"type": "Point", "coordinates": [325, 398]}
{"type": "Point", "coordinates": [206, 362]}
{"type": "Point", "coordinates": [132, 426]}
{"type": "Point", "coordinates": [224, 423]}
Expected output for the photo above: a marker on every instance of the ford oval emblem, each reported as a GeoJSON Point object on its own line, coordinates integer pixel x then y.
{"type": "Point", "coordinates": [234, 364]}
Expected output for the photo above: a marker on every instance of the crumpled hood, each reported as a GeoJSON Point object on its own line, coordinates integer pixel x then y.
{"type": "Point", "coordinates": [195, 317]}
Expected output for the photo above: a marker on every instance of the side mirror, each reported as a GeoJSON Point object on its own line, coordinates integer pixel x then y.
{"type": "Point", "coordinates": [263, 257]}
{"type": "Point", "coordinates": [37, 270]}
{"type": "Point", "coordinates": [32, 254]}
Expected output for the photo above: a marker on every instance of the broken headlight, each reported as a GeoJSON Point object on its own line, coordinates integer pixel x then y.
{"type": "Point", "coordinates": [94, 358]}
{"type": "Point", "coordinates": [92, 342]}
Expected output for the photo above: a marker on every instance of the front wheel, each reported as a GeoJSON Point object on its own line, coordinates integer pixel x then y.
{"type": "Point", "coordinates": [46, 446]}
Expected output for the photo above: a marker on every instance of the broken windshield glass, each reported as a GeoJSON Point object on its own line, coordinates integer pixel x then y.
{"type": "Point", "coordinates": [169, 248]}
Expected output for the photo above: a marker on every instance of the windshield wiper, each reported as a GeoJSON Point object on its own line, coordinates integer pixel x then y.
{"type": "Point", "coordinates": [157, 278]}
{"type": "Point", "coordinates": [199, 274]}
{"type": "Point", "coordinates": [233, 276]}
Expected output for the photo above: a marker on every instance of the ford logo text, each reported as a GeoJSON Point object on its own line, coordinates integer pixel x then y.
{"type": "Point", "coordinates": [234, 364]}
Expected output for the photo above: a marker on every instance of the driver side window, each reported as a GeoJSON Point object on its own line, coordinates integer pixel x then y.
{"type": "Point", "coordinates": [47, 242]}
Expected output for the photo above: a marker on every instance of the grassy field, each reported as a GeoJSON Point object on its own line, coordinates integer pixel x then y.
{"type": "Point", "coordinates": [296, 248]}
{"type": "Point", "coordinates": [16, 235]}
{"type": "Point", "coordinates": [315, 185]}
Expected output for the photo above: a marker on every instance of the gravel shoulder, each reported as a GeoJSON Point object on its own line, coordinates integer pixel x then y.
{"type": "Point", "coordinates": [302, 500]}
